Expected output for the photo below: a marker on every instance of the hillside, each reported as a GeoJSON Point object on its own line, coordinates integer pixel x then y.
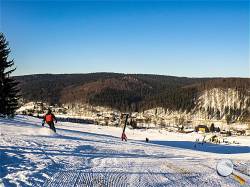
{"type": "Point", "coordinates": [207, 98]}
{"type": "Point", "coordinates": [124, 92]}
{"type": "Point", "coordinates": [91, 155]}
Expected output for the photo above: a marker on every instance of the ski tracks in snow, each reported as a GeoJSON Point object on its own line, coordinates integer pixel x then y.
{"type": "Point", "coordinates": [137, 172]}
{"type": "Point", "coordinates": [78, 158]}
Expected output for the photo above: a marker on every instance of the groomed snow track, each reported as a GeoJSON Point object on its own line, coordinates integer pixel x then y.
{"type": "Point", "coordinates": [75, 157]}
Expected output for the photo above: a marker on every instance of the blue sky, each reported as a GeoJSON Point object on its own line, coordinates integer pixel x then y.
{"type": "Point", "coordinates": [182, 38]}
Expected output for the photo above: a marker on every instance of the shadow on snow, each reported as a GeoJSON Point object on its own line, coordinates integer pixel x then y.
{"type": "Point", "coordinates": [206, 147]}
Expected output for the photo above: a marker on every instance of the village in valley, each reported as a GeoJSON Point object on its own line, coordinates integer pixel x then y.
{"type": "Point", "coordinates": [157, 118]}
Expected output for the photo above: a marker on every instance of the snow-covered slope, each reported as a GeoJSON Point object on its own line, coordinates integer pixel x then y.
{"type": "Point", "coordinates": [90, 155]}
{"type": "Point", "coordinates": [221, 98]}
{"type": "Point", "coordinates": [218, 103]}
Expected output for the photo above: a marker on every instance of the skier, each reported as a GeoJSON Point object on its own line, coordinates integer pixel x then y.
{"type": "Point", "coordinates": [49, 118]}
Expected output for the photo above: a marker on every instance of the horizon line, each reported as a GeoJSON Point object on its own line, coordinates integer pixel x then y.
{"type": "Point", "coordinates": [129, 74]}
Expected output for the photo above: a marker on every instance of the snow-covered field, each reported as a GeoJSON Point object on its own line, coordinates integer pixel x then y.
{"type": "Point", "coordinates": [90, 155]}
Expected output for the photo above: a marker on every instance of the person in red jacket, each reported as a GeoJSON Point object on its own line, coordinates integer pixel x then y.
{"type": "Point", "coordinates": [49, 118]}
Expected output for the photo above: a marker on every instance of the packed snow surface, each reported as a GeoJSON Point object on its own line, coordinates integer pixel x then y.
{"type": "Point", "coordinates": [91, 155]}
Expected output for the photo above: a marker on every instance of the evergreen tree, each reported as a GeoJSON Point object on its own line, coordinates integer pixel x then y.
{"type": "Point", "coordinates": [8, 86]}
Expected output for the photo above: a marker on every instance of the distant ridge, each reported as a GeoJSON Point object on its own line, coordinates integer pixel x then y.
{"type": "Point", "coordinates": [125, 92]}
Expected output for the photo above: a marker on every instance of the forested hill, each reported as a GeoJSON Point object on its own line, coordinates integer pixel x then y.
{"type": "Point", "coordinates": [125, 92]}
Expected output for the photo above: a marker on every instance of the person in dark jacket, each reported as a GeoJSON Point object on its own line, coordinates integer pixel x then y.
{"type": "Point", "coordinates": [49, 118]}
